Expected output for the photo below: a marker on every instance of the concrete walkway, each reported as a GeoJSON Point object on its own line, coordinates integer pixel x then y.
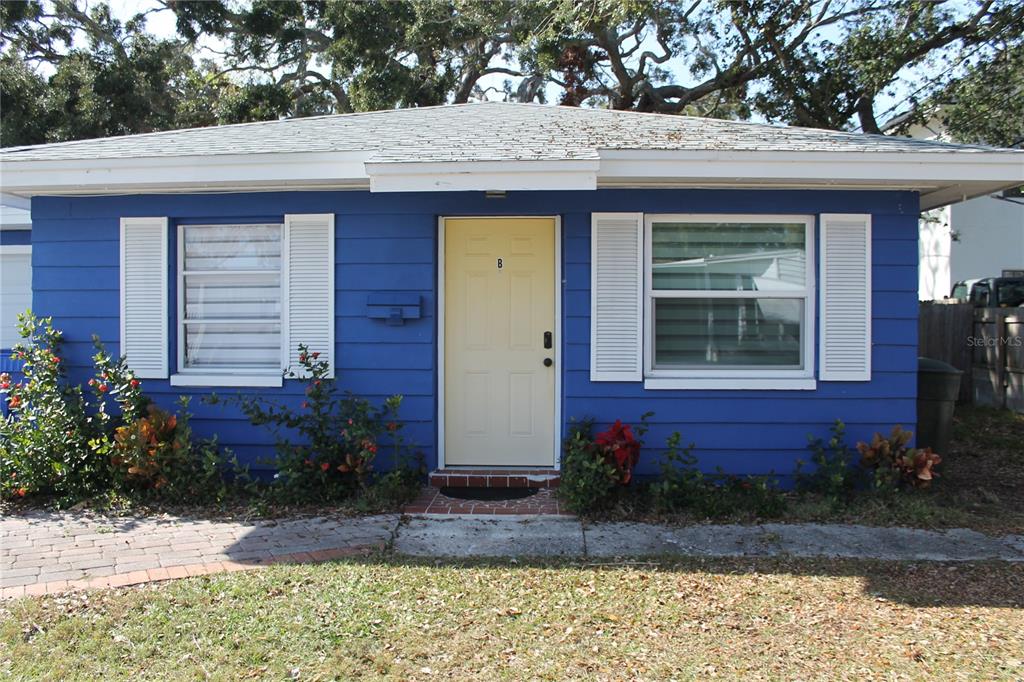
{"type": "Point", "coordinates": [43, 553]}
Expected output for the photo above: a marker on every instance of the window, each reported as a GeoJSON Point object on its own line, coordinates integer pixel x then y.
{"type": "Point", "coordinates": [729, 297]}
{"type": "Point", "coordinates": [230, 299]}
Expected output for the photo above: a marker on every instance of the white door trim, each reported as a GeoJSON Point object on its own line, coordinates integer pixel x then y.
{"type": "Point", "coordinates": [439, 326]}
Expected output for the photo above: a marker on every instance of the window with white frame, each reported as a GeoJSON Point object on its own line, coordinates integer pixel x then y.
{"type": "Point", "coordinates": [729, 296]}
{"type": "Point", "coordinates": [230, 298]}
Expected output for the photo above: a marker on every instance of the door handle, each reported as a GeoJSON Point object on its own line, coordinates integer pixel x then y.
{"type": "Point", "coordinates": [547, 340]}
{"type": "Point", "coordinates": [548, 362]}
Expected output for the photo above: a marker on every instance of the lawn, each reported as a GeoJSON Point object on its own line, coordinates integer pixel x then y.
{"type": "Point", "coordinates": [383, 618]}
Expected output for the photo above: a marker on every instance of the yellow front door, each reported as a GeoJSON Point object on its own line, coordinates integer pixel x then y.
{"type": "Point", "coordinates": [499, 314]}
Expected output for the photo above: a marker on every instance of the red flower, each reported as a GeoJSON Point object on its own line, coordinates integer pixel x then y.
{"type": "Point", "coordinates": [135, 383]}
{"type": "Point", "coordinates": [316, 355]}
{"type": "Point", "coordinates": [317, 382]}
{"type": "Point", "coordinates": [304, 405]}
{"type": "Point", "coordinates": [22, 492]}
{"type": "Point", "coordinates": [621, 448]}
{"type": "Point", "coordinates": [325, 466]}
{"type": "Point", "coordinates": [392, 426]}
{"type": "Point", "coordinates": [5, 384]}
{"type": "Point", "coordinates": [103, 388]}
{"type": "Point", "coordinates": [302, 357]}
{"type": "Point", "coordinates": [104, 376]}
{"type": "Point", "coordinates": [14, 401]}
{"type": "Point", "coordinates": [92, 382]}
{"type": "Point", "coordinates": [55, 359]}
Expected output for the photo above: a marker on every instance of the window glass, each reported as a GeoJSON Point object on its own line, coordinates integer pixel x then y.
{"type": "Point", "coordinates": [723, 332]}
{"type": "Point", "coordinates": [728, 256]}
{"type": "Point", "coordinates": [231, 296]}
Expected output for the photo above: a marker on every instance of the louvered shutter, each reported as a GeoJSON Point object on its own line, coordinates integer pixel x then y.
{"type": "Point", "coordinates": [309, 287]}
{"type": "Point", "coordinates": [845, 297]}
{"type": "Point", "coordinates": [616, 297]}
{"type": "Point", "coordinates": [144, 332]}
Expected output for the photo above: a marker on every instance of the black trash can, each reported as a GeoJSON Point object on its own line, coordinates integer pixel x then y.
{"type": "Point", "coordinates": [938, 385]}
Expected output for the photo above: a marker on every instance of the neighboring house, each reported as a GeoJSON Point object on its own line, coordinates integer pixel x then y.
{"type": "Point", "coordinates": [15, 272]}
{"type": "Point", "coordinates": [977, 238]}
{"type": "Point", "coordinates": [506, 268]}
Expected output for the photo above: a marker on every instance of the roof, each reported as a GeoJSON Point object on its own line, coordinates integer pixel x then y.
{"type": "Point", "coordinates": [492, 145]}
{"type": "Point", "coordinates": [486, 131]}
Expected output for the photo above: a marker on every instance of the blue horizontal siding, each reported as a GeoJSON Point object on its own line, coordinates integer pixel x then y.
{"type": "Point", "coordinates": [15, 237]}
{"type": "Point", "coordinates": [388, 243]}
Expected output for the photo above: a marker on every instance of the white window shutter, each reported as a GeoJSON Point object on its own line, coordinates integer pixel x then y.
{"type": "Point", "coordinates": [308, 276]}
{"type": "Point", "coordinates": [845, 297]}
{"type": "Point", "coordinates": [144, 329]}
{"type": "Point", "coordinates": [616, 296]}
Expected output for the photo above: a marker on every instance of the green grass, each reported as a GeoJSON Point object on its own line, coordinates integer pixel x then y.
{"type": "Point", "coordinates": [379, 619]}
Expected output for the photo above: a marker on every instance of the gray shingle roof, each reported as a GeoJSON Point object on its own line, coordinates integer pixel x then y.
{"type": "Point", "coordinates": [489, 131]}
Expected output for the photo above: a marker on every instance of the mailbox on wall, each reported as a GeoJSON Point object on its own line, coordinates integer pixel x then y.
{"type": "Point", "coordinates": [393, 308]}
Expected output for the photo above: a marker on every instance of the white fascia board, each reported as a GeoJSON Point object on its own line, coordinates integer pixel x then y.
{"type": "Point", "coordinates": [912, 168]}
{"type": "Point", "coordinates": [458, 176]}
{"type": "Point", "coordinates": [221, 172]}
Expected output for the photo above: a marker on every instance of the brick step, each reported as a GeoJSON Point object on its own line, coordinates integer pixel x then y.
{"type": "Point", "coordinates": [494, 478]}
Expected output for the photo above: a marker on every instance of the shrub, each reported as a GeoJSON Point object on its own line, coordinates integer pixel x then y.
{"type": "Point", "coordinates": [893, 464]}
{"type": "Point", "coordinates": [338, 437]}
{"type": "Point", "coordinates": [46, 441]}
{"type": "Point", "coordinates": [681, 482]}
{"type": "Point", "coordinates": [834, 475]}
{"type": "Point", "coordinates": [156, 456]}
{"type": "Point", "coordinates": [595, 468]}
{"type": "Point", "coordinates": [58, 441]}
{"type": "Point", "coordinates": [683, 487]}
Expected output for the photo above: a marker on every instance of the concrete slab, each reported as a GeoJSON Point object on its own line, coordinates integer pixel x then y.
{"type": "Point", "coordinates": [509, 536]}
{"type": "Point", "coordinates": [638, 539]}
{"type": "Point", "coordinates": [897, 544]}
{"type": "Point", "coordinates": [1015, 542]}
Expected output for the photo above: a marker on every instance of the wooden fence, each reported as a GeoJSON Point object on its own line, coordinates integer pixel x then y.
{"type": "Point", "coordinates": [987, 344]}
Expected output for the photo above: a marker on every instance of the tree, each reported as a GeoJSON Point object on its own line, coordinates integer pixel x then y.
{"type": "Point", "coordinates": [987, 105]}
{"type": "Point", "coordinates": [108, 77]}
{"type": "Point", "coordinates": [363, 56]}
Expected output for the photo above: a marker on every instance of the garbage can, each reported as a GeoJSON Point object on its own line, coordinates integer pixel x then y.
{"type": "Point", "coordinates": [938, 385]}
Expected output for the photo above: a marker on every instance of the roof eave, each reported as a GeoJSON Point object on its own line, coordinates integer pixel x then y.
{"type": "Point", "coordinates": [939, 177]}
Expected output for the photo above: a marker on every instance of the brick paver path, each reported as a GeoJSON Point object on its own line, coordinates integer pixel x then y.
{"type": "Point", "coordinates": [43, 552]}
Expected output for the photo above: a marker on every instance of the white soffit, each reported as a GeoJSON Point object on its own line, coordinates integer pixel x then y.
{"type": "Point", "coordinates": [456, 176]}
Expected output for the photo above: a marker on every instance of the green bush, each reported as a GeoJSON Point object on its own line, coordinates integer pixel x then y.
{"type": "Point", "coordinates": [46, 441]}
{"type": "Point", "coordinates": [682, 487]}
{"type": "Point", "coordinates": [155, 456]}
{"type": "Point", "coordinates": [595, 469]}
{"type": "Point", "coordinates": [834, 475]}
{"type": "Point", "coordinates": [338, 437]}
{"type": "Point", "coordinates": [59, 441]}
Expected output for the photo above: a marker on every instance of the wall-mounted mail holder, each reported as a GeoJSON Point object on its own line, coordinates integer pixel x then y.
{"type": "Point", "coordinates": [394, 309]}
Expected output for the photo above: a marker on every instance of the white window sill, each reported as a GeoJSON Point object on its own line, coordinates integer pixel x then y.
{"type": "Point", "coordinates": [730, 384]}
{"type": "Point", "coordinates": [228, 380]}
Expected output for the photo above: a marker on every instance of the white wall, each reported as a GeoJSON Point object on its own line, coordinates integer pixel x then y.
{"type": "Point", "coordinates": [990, 237]}
{"type": "Point", "coordinates": [15, 290]}
{"type": "Point", "coordinates": [933, 247]}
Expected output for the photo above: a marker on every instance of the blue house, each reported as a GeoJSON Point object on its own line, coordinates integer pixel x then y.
{"type": "Point", "coordinates": [507, 267]}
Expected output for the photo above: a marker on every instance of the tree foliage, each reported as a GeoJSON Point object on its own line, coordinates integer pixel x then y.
{"type": "Point", "coordinates": [69, 69]}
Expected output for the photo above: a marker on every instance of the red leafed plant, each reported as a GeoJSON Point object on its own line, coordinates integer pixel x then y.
{"type": "Point", "coordinates": [620, 448]}
{"type": "Point", "coordinates": [895, 464]}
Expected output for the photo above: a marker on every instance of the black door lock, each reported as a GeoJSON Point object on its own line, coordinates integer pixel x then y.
{"type": "Point", "coordinates": [548, 362]}
{"type": "Point", "coordinates": [547, 339]}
